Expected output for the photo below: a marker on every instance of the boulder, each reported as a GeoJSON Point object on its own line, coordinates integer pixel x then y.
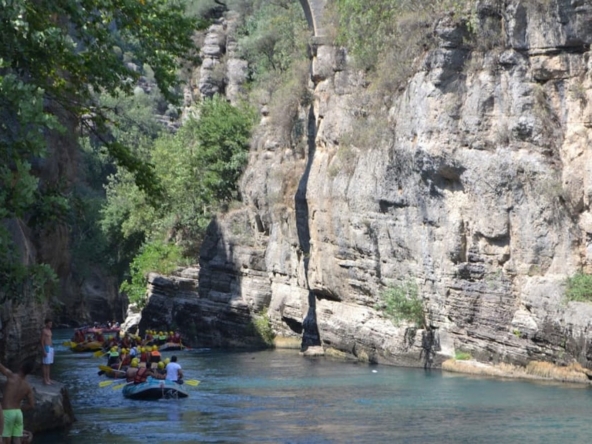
{"type": "Point", "coordinates": [52, 411]}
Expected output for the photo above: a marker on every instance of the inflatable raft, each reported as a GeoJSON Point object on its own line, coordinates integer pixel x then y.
{"type": "Point", "coordinates": [155, 389]}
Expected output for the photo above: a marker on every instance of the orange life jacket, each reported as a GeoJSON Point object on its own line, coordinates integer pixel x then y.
{"type": "Point", "coordinates": [141, 375]}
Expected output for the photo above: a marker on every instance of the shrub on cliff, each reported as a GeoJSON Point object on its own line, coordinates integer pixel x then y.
{"type": "Point", "coordinates": [402, 303]}
{"type": "Point", "coordinates": [260, 326]}
{"type": "Point", "coordinates": [579, 287]}
{"type": "Point", "coordinates": [199, 167]}
{"type": "Point", "coordinates": [157, 257]}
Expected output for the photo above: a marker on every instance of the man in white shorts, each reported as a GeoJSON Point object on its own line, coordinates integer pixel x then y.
{"type": "Point", "coordinates": [47, 349]}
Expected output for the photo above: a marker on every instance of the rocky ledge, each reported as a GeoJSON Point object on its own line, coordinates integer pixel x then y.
{"type": "Point", "coordinates": [52, 411]}
{"type": "Point", "coordinates": [535, 370]}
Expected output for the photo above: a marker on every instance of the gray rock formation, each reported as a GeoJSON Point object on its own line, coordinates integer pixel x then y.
{"type": "Point", "coordinates": [220, 319]}
{"type": "Point", "coordinates": [52, 407]}
{"type": "Point", "coordinates": [471, 182]}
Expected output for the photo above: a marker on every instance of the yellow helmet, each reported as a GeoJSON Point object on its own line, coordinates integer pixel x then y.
{"type": "Point", "coordinates": [134, 362]}
{"type": "Point", "coordinates": [171, 333]}
{"type": "Point", "coordinates": [154, 347]}
{"type": "Point", "coordinates": [160, 333]}
{"type": "Point", "coordinates": [167, 360]}
{"type": "Point", "coordinates": [114, 349]}
{"type": "Point", "coordinates": [161, 365]}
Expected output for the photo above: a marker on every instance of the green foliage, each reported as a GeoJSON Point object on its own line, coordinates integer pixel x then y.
{"type": "Point", "coordinates": [198, 166]}
{"type": "Point", "coordinates": [273, 37]}
{"type": "Point", "coordinates": [386, 36]}
{"type": "Point", "coordinates": [54, 57]}
{"type": "Point", "coordinates": [367, 28]}
{"type": "Point", "coordinates": [402, 303]}
{"type": "Point", "coordinates": [261, 325]}
{"type": "Point", "coordinates": [462, 356]}
{"type": "Point", "coordinates": [223, 134]}
{"type": "Point", "coordinates": [274, 41]}
{"type": "Point", "coordinates": [38, 281]}
{"type": "Point", "coordinates": [153, 257]}
{"type": "Point", "coordinates": [579, 287]}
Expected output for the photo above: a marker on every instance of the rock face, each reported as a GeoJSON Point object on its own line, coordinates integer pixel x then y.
{"type": "Point", "coordinates": [221, 319]}
{"type": "Point", "coordinates": [473, 184]}
{"type": "Point", "coordinates": [20, 331]}
{"type": "Point", "coordinates": [52, 407]}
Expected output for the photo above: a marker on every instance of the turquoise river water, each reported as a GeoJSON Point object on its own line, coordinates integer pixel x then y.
{"type": "Point", "coordinates": [280, 397]}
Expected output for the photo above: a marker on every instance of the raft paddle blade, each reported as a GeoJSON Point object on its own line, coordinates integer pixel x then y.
{"type": "Point", "coordinates": [192, 382]}
{"type": "Point", "coordinates": [105, 383]}
{"type": "Point", "coordinates": [118, 386]}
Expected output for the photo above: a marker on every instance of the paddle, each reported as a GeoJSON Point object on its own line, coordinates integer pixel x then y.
{"type": "Point", "coordinates": [106, 368]}
{"type": "Point", "coordinates": [191, 382]}
{"type": "Point", "coordinates": [99, 353]}
{"type": "Point", "coordinates": [105, 383]}
{"type": "Point", "coordinates": [69, 344]}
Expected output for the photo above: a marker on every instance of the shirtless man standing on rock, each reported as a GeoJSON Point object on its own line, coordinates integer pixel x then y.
{"type": "Point", "coordinates": [47, 349]}
{"type": "Point", "coordinates": [17, 388]}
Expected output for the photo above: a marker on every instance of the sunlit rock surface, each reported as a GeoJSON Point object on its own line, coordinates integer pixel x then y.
{"type": "Point", "coordinates": [472, 181]}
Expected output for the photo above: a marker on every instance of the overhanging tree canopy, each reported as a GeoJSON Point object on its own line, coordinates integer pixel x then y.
{"type": "Point", "coordinates": [54, 54]}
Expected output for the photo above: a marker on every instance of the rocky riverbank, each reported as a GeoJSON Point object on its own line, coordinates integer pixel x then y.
{"type": "Point", "coordinates": [52, 411]}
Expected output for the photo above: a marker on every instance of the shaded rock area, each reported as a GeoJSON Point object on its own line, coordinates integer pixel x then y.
{"type": "Point", "coordinates": [52, 411]}
{"type": "Point", "coordinates": [206, 319]}
{"type": "Point", "coordinates": [20, 331]}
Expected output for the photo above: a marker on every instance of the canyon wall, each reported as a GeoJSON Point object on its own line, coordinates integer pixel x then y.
{"type": "Point", "coordinates": [470, 180]}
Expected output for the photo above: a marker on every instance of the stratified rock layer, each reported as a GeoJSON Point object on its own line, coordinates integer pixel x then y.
{"type": "Point", "coordinates": [473, 183]}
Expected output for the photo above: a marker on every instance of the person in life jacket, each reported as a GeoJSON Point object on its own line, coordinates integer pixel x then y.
{"type": "Point", "coordinates": [154, 355]}
{"type": "Point", "coordinates": [143, 373]}
{"type": "Point", "coordinates": [177, 338]}
{"type": "Point", "coordinates": [78, 336]}
{"type": "Point", "coordinates": [125, 357]}
{"type": "Point", "coordinates": [160, 368]}
{"type": "Point", "coordinates": [113, 357]}
{"type": "Point", "coordinates": [130, 373]}
{"type": "Point", "coordinates": [143, 355]}
{"type": "Point", "coordinates": [148, 337]}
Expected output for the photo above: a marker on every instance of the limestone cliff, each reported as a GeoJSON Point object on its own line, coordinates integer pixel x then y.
{"type": "Point", "coordinates": [473, 183]}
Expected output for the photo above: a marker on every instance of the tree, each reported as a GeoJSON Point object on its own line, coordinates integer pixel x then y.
{"type": "Point", "coordinates": [198, 166]}
{"type": "Point", "coordinates": [54, 56]}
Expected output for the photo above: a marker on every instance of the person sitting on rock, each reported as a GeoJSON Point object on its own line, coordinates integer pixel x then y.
{"type": "Point", "coordinates": [17, 388]}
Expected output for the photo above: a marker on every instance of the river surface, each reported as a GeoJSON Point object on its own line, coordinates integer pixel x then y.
{"type": "Point", "coordinates": [280, 397]}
